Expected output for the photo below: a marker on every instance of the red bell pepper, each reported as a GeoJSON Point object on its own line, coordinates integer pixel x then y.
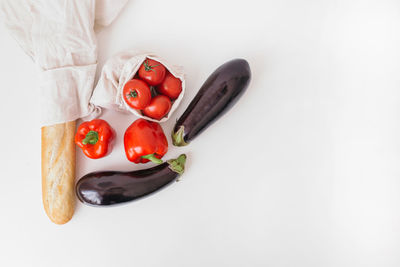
{"type": "Point", "coordinates": [145, 140]}
{"type": "Point", "coordinates": [95, 138]}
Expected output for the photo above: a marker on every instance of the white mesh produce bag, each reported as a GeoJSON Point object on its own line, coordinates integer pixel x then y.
{"type": "Point", "coordinates": [121, 68]}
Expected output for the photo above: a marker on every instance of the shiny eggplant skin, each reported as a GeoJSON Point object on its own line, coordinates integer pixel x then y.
{"type": "Point", "coordinates": [217, 95]}
{"type": "Point", "coordinates": [113, 187]}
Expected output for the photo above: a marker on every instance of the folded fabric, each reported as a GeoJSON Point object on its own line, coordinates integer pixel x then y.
{"type": "Point", "coordinates": [59, 36]}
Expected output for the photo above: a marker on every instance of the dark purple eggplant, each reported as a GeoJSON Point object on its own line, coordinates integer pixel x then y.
{"type": "Point", "coordinates": [113, 187]}
{"type": "Point", "coordinates": [217, 95]}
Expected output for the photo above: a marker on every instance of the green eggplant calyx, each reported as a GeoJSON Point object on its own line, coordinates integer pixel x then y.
{"type": "Point", "coordinates": [177, 137]}
{"type": "Point", "coordinates": [178, 164]}
{"type": "Point", "coordinates": [152, 158]}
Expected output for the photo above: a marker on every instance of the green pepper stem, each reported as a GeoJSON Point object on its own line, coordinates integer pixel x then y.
{"type": "Point", "coordinates": [178, 164]}
{"type": "Point", "coordinates": [91, 138]}
{"type": "Point", "coordinates": [177, 137]}
{"type": "Point", "coordinates": [152, 158]}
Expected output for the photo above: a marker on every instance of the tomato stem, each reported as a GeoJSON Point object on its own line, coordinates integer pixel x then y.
{"type": "Point", "coordinates": [91, 138]}
{"type": "Point", "coordinates": [132, 93]}
{"type": "Point", "coordinates": [148, 67]}
{"type": "Point", "coordinates": [152, 158]}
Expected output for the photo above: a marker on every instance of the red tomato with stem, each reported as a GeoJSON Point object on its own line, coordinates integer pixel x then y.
{"type": "Point", "coordinates": [158, 107]}
{"type": "Point", "coordinates": [171, 86]}
{"type": "Point", "coordinates": [152, 72]}
{"type": "Point", "coordinates": [137, 94]}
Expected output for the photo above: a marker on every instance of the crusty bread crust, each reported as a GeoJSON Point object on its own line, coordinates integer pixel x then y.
{"type": "Point", "coordinates": [58, 171]}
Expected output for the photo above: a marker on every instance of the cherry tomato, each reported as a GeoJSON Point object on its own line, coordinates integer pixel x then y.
{"type": "Point", "coordinates": [158, 107]}
{"type": "Point", "coordinates": [137, 94]}
{"type": "Point", "coordinates": [171, 86]}
{"type": "Point", "coordinates": [152, 72]}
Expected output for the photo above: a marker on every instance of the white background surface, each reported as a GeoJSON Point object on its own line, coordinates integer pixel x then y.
{"type": "Point", "coordinates": [303, 171]}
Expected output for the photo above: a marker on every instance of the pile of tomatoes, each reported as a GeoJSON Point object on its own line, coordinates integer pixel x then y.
{"type": "Point", "coordinates": [152, 90]}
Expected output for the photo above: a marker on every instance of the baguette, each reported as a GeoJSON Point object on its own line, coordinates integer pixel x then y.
{"type": "Point", "coordinates": [58, 171]}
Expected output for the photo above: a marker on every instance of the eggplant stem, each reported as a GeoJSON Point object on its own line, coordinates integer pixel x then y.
{"type": "Point", "coordinates": [178, 164]}
{"type": "Point", "coordinates": [177, 137]}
